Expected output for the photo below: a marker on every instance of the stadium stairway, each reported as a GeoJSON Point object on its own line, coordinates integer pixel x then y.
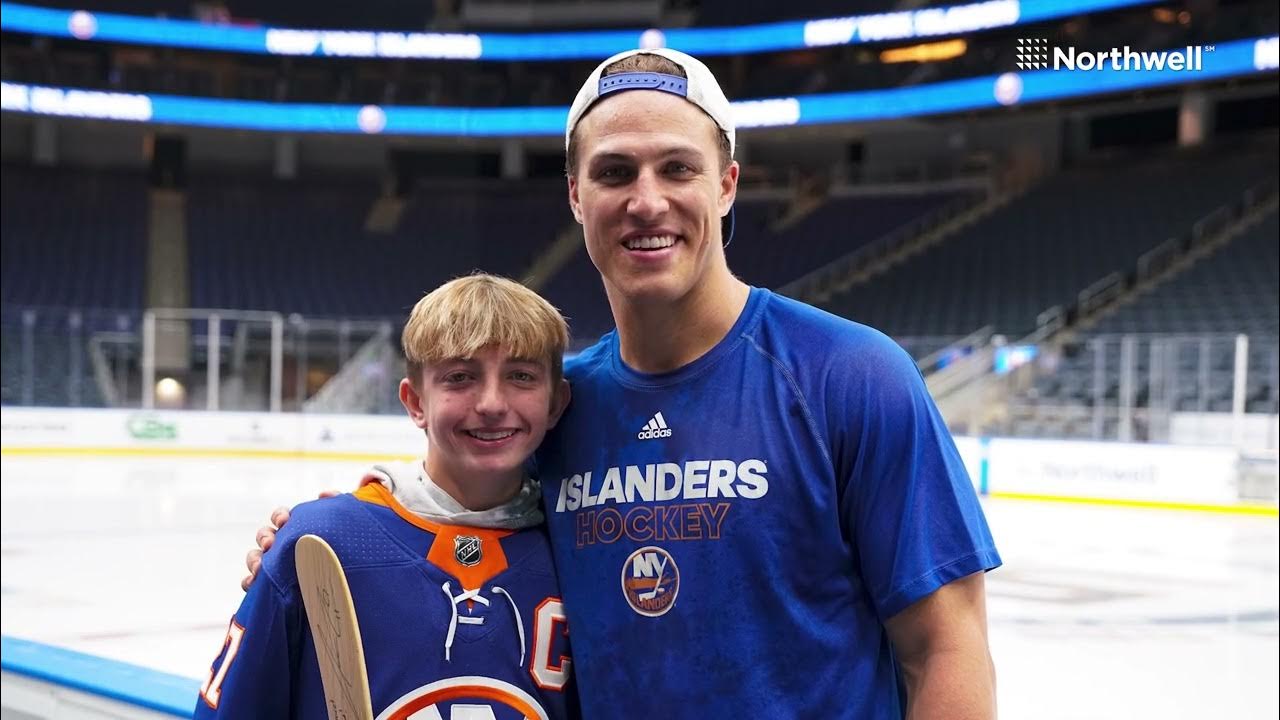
{"type": "Point", "coordinates": [878, 257]}
{"type": "Point", "coordinates": [973, 397]}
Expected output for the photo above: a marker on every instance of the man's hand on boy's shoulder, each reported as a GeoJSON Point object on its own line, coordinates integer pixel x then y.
{"type": "Point", "coordinates": [266, 536]}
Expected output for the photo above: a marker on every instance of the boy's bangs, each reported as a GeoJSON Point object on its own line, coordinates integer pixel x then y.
{"type": "Point", "coordinates": [522, 334]}
{"type": "Point", "coordinates": [466, 315]}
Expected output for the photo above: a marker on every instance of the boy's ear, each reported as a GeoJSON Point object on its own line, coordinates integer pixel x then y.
{"type": "Point", "coordinates": [559, 401]}
{"type": "Point", "coordinates": [412, 401]}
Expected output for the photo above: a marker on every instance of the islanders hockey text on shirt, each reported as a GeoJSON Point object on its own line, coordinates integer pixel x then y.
{"type": "Point", "coordinates": [659, 483]}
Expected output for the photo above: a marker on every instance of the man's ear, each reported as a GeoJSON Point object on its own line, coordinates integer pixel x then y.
{"type": "Point", "coordinates": [559, 401]}
{"type": "Point", "coordinates": [412, 401]}
{"type": "Point", "coordinates": [574, 203]}
{"type": "Point", "coordinates": [728, 187]}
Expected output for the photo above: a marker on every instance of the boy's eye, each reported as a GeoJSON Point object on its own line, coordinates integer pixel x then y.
{"type": "Point", "coordinates": [523, 376]}
{"type": "Point", "coordinates": [456, 377]}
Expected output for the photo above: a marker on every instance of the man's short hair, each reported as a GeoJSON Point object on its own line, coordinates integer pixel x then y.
{"type": "Point", "coordinates": [467, 314]}
{"type": "Point", "coordinates": [644, 62]}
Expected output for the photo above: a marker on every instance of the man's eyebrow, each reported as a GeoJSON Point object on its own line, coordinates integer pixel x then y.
{"type": "Point", "coordinates": [686, 154]}
{"type": "Point", "coordinates": [611, 157]}
{"type": "Point", "coordinates": [673, 151]}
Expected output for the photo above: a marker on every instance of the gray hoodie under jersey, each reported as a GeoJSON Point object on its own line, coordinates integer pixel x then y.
{"type": "Point", "coordinates": [414, 489]}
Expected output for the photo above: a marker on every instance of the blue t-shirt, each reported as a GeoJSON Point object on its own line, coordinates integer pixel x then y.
{"type": "Point", "coordinates": [731, 536]}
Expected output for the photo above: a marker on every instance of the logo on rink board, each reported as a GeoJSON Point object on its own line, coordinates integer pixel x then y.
{"type": "Point", "coordinates": [144, 426]}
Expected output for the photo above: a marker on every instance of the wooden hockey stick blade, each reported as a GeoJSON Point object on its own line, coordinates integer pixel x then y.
{"type": "Point", "coordinates": [332, 617]}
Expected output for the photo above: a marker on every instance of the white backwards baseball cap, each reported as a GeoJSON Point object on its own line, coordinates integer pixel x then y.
{"type": "Point", "coordinates": [699, 88]}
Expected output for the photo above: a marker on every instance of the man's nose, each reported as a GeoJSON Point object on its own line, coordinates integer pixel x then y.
{"type": "Point", "coordinates": [648, 200]}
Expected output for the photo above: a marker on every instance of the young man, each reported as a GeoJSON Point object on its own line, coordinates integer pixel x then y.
{"type": "Point", "coordinates": [755, 508]}
{"type": "Point", "coordinates": [447, 558]}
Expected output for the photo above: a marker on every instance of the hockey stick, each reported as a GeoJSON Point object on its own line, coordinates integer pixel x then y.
{"type": "Point", "coordinates": [334, 629]}
{"type": "Point", "coordinates": [657, 586]}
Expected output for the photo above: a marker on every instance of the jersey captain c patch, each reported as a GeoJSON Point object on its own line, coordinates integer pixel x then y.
{"type": "Point", "coordinates": [650, 581]}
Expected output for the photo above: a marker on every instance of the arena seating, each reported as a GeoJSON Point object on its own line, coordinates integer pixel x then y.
{"type": "Point", "coordinates": [1232, 291]}
{"type": "Point", "coordinates": [294, 247]}
{"type": "Point", "coordinates": [302, 247]}
{"type": "Point", "coordinates": [73, 238]}
{"type": "Point", "coordinates": [44, 356]}
{"type": "Point", "coordinates": [1183, 335]}
{"type": "Point", "coordinates": [1042, 249]}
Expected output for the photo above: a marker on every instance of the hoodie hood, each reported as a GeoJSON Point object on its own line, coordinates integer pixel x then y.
{"type": "Point", "coordinates": [415, 490]}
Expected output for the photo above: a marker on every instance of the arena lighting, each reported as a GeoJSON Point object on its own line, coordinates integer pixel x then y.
{"type": "Point", "coordinates": [170, 393]}
{"type": "Point", "coordinates": [1229, 59]}
{"type": "Point", "coordinates": [928, 52]}
{"type": "Point", "coordinates": [772, 37]}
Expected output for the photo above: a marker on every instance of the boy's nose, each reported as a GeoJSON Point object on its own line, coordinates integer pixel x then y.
{"type": "Point", "coordinates": [492, 401]}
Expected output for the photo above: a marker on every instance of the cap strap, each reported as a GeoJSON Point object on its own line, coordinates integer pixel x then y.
{"type": "Point", "coordinates": [644, 81]}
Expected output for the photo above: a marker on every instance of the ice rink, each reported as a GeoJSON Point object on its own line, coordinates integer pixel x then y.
{"type": "Point", "coordinates": [1098, 612]}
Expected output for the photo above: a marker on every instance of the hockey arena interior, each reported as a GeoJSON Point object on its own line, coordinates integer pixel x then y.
{"type": "Point", "coordinates": [217, 215]}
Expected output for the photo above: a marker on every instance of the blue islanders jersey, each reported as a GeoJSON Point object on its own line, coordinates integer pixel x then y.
{"type": "Point", "coordinates": [731, 536]}
{"type": "Point", "coordinates": [455, 621]}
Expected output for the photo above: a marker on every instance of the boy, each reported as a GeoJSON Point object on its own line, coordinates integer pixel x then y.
{"type": "Point", "coordinates": [447, 559]}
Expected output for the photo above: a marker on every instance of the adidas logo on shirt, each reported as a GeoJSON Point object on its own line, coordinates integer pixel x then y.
{"type": "Point", "coordinates": [655, 428]}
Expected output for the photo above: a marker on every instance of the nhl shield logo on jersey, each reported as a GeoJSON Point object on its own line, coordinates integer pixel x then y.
{"type": "Point", "coordinates": [466, 549]}
{"type": "Point", "coordinates": [650, 581]}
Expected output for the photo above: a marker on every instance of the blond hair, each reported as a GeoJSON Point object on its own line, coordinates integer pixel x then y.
{"type": "Point", "coordinates": [643, 62]}
{"type": "Point", "coordinates": [464, 315]}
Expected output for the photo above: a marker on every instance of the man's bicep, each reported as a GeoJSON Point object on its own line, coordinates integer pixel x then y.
{"type": "Point", "coordinates": [940, 643]}
{"type": "Point", "coordinates": [951, 617]}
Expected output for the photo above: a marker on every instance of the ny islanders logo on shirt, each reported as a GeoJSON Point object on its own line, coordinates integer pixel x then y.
{"type": "Point", "coordinates": [650, 581]}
